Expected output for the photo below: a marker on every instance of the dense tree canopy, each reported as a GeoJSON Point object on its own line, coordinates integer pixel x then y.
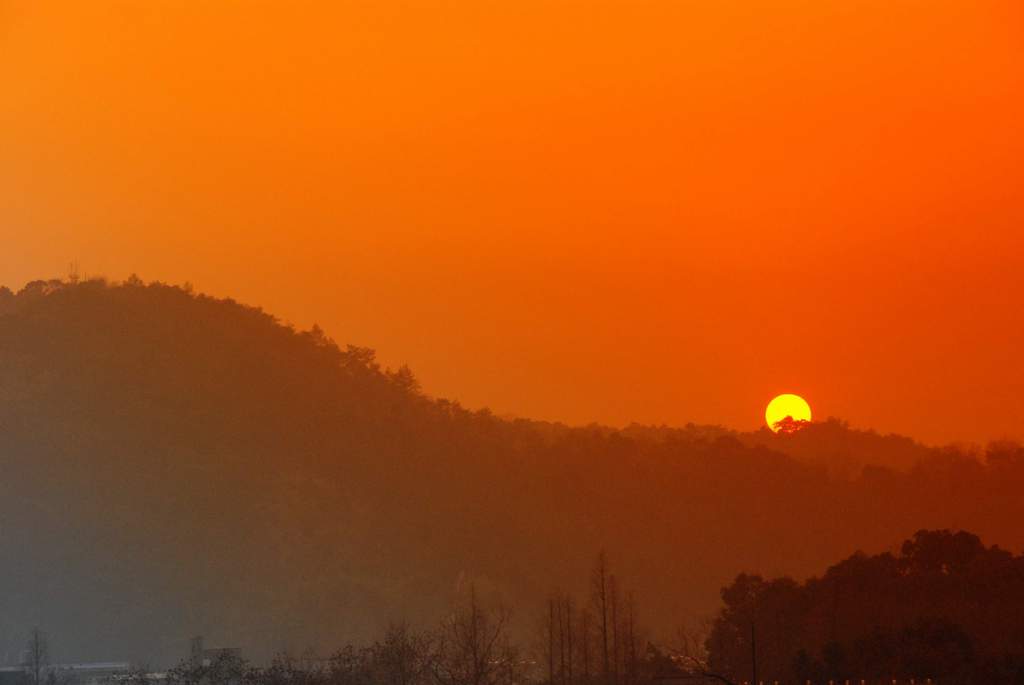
{"type": "Point", "coordinates": [176, 464]}
{"type": "Point", "coordinates": [944, 607]}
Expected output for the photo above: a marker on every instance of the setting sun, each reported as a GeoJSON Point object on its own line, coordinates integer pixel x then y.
{"type": "Point", "coordinates": [424, 339]}
{"type": "Point", "coordinates": [787, 413]}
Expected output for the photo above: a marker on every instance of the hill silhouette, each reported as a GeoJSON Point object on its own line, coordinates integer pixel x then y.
{"type": "Point", "coordinates": [175, 464]}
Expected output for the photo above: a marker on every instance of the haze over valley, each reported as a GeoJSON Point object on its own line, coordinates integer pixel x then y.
{"type": "Point", "coordinates": [196, 467]}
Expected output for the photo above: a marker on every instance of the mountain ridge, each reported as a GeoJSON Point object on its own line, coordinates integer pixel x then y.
{"type": "Point", "coordinates": [194, 466]}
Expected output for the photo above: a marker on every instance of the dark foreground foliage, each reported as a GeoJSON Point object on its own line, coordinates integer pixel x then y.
{"type": "Point", "coordinates": [471, 646]}
{"type": "Point", "coordinates": [945, 607]}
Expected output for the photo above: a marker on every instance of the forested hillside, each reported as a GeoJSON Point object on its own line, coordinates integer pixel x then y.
{"type": "Point", "coordinates": [175, 464]}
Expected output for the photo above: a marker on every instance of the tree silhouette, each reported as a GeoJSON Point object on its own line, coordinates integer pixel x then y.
{"type": "Point", "coordinates": [37, 654]}
{"type": "Point", "coordinates": [788, 425]}
{"type": "Point", "coordinates": [944, 608]}
{"type": "Point", "coordinates": [281, 468]}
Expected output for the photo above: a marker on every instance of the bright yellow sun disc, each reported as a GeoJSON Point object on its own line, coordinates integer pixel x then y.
{"type": "Point", "coordinates": [786, 412]}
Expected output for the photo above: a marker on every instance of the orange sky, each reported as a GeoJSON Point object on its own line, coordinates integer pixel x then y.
{"type": "Point", "coordinates": [660, 210]}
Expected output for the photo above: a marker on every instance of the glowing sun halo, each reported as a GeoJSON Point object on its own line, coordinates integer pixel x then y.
{"type": "Point", "coordinates": [786, 413]}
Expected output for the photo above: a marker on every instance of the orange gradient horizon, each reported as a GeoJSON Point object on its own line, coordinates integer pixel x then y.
{"type": "Point", "coordinates": [659, 211]}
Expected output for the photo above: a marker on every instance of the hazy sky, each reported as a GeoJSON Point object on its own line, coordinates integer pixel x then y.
{"type": "Point", "coordinates": [661, 211]}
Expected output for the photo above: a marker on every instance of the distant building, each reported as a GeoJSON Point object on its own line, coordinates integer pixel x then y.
{"type": "Point", "coordinates": [83, 673]}
{"type": "Point", "coordinates": [206, 656]}
{"type": "Point", "coordinates": [13, 675]}
{"type": "Point", "coordinates": [88, 673]}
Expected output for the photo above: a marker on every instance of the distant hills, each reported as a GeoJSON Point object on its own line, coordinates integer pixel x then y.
{"type": "Point", "coordinates": [174, 464]}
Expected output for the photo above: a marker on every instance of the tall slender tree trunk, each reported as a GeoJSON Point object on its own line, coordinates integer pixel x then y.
{"type": "Point", "coordinates": [585, 644]}
{"type": "Point", "coordinates": [560, 611]}
{"type": "Point", "coordinates": [568, 636]}
{"type": "Point", "coordinates": [631, 660]}
{"type": "Point", "coordinates": [599, 591]}
{"type": "Point", "coordinates": [613, 601]}
{"type": "Point", "coordinates": [551, 641]}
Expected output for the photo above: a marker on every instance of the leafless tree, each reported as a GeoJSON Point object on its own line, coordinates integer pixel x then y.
{"type": "Point", "coordinates": [584, 641]}
{"type": "Point", "coordinates": [599, 600]}
{"type": "Point", "coordinates": [630, 669]}
{"type": "Point", "coordinates": [559, 616]}
{"type": "Point", "coordinates": [692, 654]}
{"type": "Point", "coordinates": [404, 657]}
{"type": "Point", "coordinates": [568, 631]}
{"type": "Point", "coordinates": [38, 655]}
{"type": "Point", "coordinates": [552, 601]}
{"type": "Point", "coordinates": [473, 647]}
{"type": "Point", "coordinates": [613, 606]}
